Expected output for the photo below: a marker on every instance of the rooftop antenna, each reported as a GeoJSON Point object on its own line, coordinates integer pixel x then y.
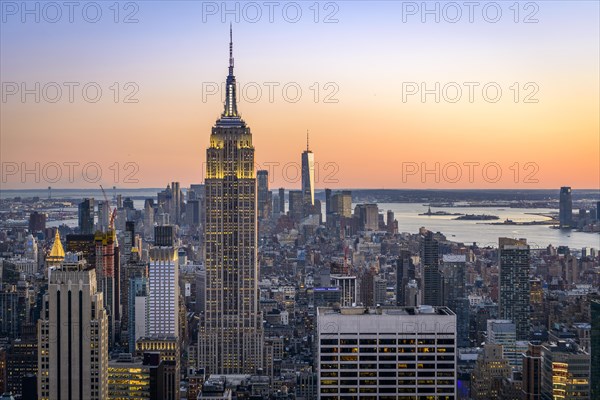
{"type": "Point", "coordinates": [307, 148]}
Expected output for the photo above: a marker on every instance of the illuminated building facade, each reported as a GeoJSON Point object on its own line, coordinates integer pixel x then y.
{"type": "Point", "coordinates": [163, 291]}
{"type": "Point", "coordinates": [128, 379]}
{"type": "Point", "coordinates": [73, 335]}
{"type": "Point", "coordinates": [491, 368]}
{"type": "Point", "coordinates": [565, 371]}
{"type": "Point", "coordinates": [386, 353]}
{"type": "Point", "coordinates": [230, 336]}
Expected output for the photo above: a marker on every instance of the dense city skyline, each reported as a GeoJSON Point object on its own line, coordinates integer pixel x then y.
{"type": "Point", "coordinates": [235, 280]}
{"type": "Point", "coordinates": [368, 68]}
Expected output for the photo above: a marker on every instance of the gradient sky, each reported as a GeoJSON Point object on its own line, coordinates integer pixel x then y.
{"type": "Point", "coordinates": [365, 140]}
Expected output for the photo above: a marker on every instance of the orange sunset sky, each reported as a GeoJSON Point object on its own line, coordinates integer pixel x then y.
{"type": "Point", "coordinates": [364, 136]}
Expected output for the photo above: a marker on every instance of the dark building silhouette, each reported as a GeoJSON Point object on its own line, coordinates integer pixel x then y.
{"type": "Point", "coordinates": [405, 271]}
{"type": "Point", "coordinates": [565, 214]}
{"type": "Point", "coordinates": [532, 373]}
{"type": "Point", "coordinates": [86, 216]}
{"type": "Point", "coordinates": [164, 235]}
{"type": "Point", "coordinates": [37, 222]}
{"type": "Point", "coordinates": [432, 278]}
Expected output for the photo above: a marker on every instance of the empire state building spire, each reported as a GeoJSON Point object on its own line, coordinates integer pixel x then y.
{"type": "Point", "coordinates": [230, 98]}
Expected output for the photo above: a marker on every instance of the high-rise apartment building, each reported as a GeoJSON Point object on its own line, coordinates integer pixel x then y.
{"type": "Point", "coordinates": [163, 285]}
{"type": "Point", "coordinates": [386, 352]}
{"type": "Point", "coordinates": [513, 303]}
{"type": "Point", "coordinates": [73, 335]}
{"type": "Point", "coordinates": [230, 335]}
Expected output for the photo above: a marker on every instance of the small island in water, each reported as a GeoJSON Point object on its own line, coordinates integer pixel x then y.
{"type": "Point", "coordinates": [477, 217]}
{"type": "Point", "coordinates": [438, 213]}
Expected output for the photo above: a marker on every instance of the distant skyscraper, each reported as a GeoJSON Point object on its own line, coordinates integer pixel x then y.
{"type": "Point", "coordinates": [455, 293]}
{"type": "Point", "coordinates": [391, 223]}
{"type": "Point", "coordinates": [368, 216]}
{"type": "Point", "coordinates": [341, 203]}
{"type": "Point", "coordinates": [105, 274]}
{"type": "Point", "coordinates": [308, 175]}
{"type": "Point", "coordinates": [230, 336]}
{"type": "Point", "coordinates": [176, 203]}
{"type": "Point", "coordinates": [378, 352]}
{"type": "Point", "coordinates": [103, 216]}
{"type": "Point", "coordinates": [262, 182]}
{"type": "Point", "coordinates": [432, 277]}
{"type": "Point", "coordinates": [296, 204]}
{"type": "Point", "coordinates": [37, 222]}
{"type": "Point", "coordinates": [282, 200]}
{"type": "Point", "coordinates": [565, 214]}
{"type": "Point", "coordinates": [86, 216]}
{"type": "Point", "coordinates": [327, 201]}
{"type": "Point", "coordinates": [513, 301]}
{"type": "Point", "coordinates": [405, 271]}
{"type": "Point", "coordinates": [73, 335]}
{"type": "Point", "coordinates": [148, 220]}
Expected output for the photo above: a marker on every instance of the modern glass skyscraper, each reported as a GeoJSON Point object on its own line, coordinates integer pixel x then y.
{"type": "Point", "coordinates": [308, 175]}
{"type": "Point", "coordinates": [432, 278]}
{"type": "Point", "coordinates": [514, 284]}
{"type": "Point", "coordinates": [264, 200]}
{"type": "Point", "coordinates": [565, 207]}
{"type": "Point", "coordinates": [230, 337]}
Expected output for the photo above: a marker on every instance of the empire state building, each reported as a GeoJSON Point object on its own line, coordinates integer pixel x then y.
{"type": "Point", "coordinates": [230, 336]}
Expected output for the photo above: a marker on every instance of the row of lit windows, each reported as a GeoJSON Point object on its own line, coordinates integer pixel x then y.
{"type": "Point", "coordinates": [389, 341]}
{"type": "Point", "coordinates": [401, 366]}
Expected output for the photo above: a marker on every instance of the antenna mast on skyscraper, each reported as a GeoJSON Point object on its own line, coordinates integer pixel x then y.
{"type": "Point", "coordinates": [307, 148]}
